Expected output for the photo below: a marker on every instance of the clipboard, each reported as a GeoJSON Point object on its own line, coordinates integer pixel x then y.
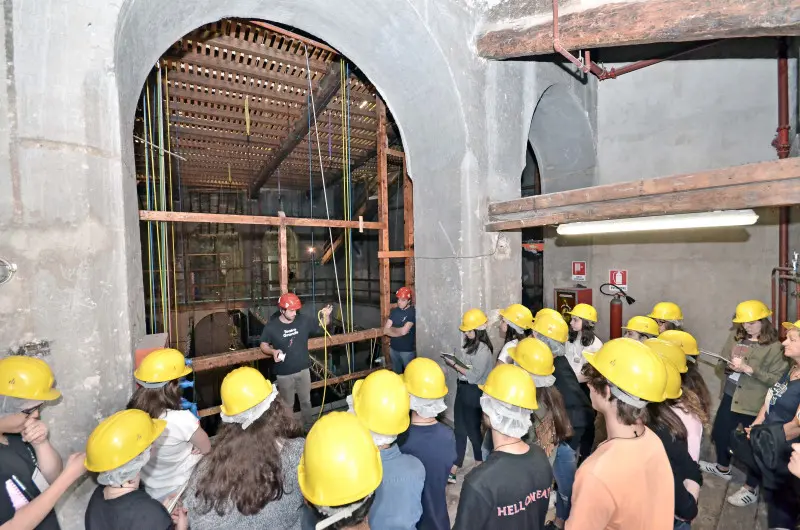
{"type": "Point", "coordinates": [715, 355]}
{"type": "Point", "coordinates": [455, 360]}
{"type": "Point", "coordinates": [174, 502]}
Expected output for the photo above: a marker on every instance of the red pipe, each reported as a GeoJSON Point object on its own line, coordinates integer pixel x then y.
{"type": "Point", "coordinates": [773, 281]}
{"type": "Point", "coordinates": [782, 145]}
{"type": "Point", "coordinates": [557, 43]}
{"type": "Point", "coordinates": [602, 74]}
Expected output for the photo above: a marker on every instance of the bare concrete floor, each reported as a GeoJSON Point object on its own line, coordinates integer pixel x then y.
{"type": "Point", "coordinates": [714, 512]}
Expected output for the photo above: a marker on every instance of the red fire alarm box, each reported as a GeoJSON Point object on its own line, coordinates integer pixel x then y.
{"type": "Point", "coordinates": [568, 297]}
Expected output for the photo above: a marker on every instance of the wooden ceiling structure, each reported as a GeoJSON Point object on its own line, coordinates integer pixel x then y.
{"type": "Point", "coordinates": [225, 73]}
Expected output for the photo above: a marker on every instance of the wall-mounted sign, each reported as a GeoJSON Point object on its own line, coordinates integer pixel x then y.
{"type": "Point", "coordinates": [618, 277]}
{"type": "Point", "coordinates": [578, 271]}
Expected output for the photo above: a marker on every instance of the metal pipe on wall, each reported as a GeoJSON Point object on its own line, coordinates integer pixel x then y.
{"type": "Point", "coordinates": [782, 145]}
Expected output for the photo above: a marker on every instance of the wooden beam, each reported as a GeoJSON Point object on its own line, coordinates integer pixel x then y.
{"type": "Point", "coordinates": [361, 210]}
{"type": "Point", "coordinates": [408, 225]}
{"type": "Point", "coordinates": [383, 219]}
{"type": "Point", "coordinates": [395, 254]}
{"type": "Point", "coordinates": [716, 178]}
{"type": "Point", "coordinates": [189, 217]}
{"type": "Point", "coordinates": [221, 360]}
{"type": "Point", "coordinates": [328, 87]}
{"type": "Point", "coordinates": [283, 265]}
{"type": "Point", "coordinates": [629, 23]}
{"type": "Point", "coordinates": [754, 195]}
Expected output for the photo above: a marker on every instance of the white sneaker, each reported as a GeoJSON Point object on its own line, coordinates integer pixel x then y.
{"type": "Point", "coordinates": [712, 468]}
{"type": "Point", "coordinates": [743, 497]}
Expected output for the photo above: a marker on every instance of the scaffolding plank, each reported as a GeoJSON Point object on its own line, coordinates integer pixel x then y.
{"type": "Point", "coordinates": [408, 225]}
{"type": "Point", "coordinates": [189, 217]}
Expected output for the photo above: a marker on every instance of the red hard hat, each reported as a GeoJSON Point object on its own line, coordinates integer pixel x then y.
{"type": "Point", "coordinates": [289, 301]}
{"type": "Point", "coordinates": [404, 293]}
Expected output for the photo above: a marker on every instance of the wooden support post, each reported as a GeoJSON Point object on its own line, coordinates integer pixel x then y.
{"type": "Point", "coordinates": [283, 265]}
{"type": "Point", "coordinates": [395, 254]}
{"type": "Point", "coordinates": [408, 225]}
{"type": "Point", "coordinates": [383, 219]}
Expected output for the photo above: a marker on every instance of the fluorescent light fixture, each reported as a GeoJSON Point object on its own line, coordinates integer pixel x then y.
{"type": "Point", "coordinates": [661, 222]}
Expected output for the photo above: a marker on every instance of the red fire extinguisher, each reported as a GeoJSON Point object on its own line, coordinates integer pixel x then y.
{"type": "Point", "coordinates": [615, 311]}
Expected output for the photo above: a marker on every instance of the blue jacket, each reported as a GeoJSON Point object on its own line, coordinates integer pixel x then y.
{"type": "Point", "coordinates": [398, 500]}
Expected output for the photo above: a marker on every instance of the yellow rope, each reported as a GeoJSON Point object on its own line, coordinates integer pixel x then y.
{"type": "Point", "coordinates": [158, 225]}
{"type": "Point", "coordinates": [172, 225]}
{"type": "Point", "coordinates": [321, 321]}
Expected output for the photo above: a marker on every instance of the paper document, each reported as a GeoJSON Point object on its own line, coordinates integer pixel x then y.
{"type": "Point", "coordinates": [453, 358]}
{"type": "Point", "coordinates": [715, 355]}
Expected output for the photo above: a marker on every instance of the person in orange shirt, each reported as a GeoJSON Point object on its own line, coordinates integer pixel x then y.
{"type": "Point", "coordinates": [627, 483]}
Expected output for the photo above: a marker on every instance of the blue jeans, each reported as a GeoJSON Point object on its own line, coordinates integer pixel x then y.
{"type": "Point", "coordinates": [682, 525]}
{"type": "Point", "coordinates": [564, 467]}
{"type": "Point", "coordinates": [400, 359]}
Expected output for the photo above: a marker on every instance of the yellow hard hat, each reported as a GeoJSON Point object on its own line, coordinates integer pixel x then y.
{"type": "Point", "coordinates": [673, 389]}
{"type": "Point", "coordinates": [584, 311]}
{"type": "Point", "coordinates": [670, 352]}
{"type": "Point", "coordinates": [27, 378]}
{"type": "Point", "coordinates": [243, 389]}
{"type": "Point", "coordinates": [518, 315]}
{"type": "Point", "coordinates": [551, 326]}
{"type": "Point", "coordinates": [681, 339]}
{"type": "Point", "coordinates": [120, 438]}
{"type": "Point", "coordinates": [666, 311]}
{"type": "Point", "coordinates": [511, 384]}
{"type": "Point", "coordinates": [473, 319]}
{"type": "Point", "coordinates": [642, 325]}
{"type": "Point", "coordinates": [533, 356]}
{"type": "Point", "coordinates": [162, 365]}
{"type": "Point", "coordinates": [751, 311]}
{"type": "Point", "coordinates": [381, 401]}
{"type": "Point", "coordinates": [340, 463]}
{"type": "Point", "coordinates": [633, 367]}
{"type": "Point", "coordinates": [548, 311]}
{"type": "Point", "coordinates": [786, 325]}
{"type": "Point", "coordinates": [425, 379]}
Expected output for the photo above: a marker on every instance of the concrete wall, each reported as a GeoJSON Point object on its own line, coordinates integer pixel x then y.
{"type": "Point", "coordinates": [73, 73]}
{"type": "Point", "coordinates": [677, 117]}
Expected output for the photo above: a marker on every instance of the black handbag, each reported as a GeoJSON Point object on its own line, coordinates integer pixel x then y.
{"type": "Point", "coordinates": [766, 452]}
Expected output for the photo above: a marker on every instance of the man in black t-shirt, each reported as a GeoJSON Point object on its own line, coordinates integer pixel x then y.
{"type": "Point", "coordinates": [511, 490]}
{"type": "Point", "coordinates": [285, 339]}
{"type": "Point", "coordinates": [400, 327]}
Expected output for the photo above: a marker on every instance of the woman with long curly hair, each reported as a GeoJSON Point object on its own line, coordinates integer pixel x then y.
{"type": "Point", "coordinates": [755, 363]}
{"type": "Point", "coordinates": [249, 480]}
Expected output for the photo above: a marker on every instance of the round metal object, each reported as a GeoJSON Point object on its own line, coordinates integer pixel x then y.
{"type": "Point", "coordinates": [7, 271]}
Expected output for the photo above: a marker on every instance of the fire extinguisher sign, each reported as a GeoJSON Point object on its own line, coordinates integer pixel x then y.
{"type": "Point", "coordinates": [578, 271]}
{"type": "Point", "coordinates": [619, 278]}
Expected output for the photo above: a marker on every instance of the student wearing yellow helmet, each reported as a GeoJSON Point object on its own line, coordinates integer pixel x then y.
{"type": "Point", "coordinates": [117, 450]}
{"type": "Point", "coordinates": [249, 478]}
{"type": "Point", "coordinates": [28, 462]}
{"type": "Point", "coordinates": [516, 321]}
{"type": "Point", "coordinates": [339, 472]}
{"type": "Point", "coordinates": [432, 442]}
{"type": "Point", "coordinates": [476, 354]}
{"type": "Point", "coordinates": [628, 479]}
{"type": "Point", "coordinates": [668, 315]}
{"type": "Point", "coordinates": [184, 442]}
{"type": "Point", "coordinates": [382, 403]}
{"type": "Point", "coordinates": [640, 328]}
{"type": "Point", "coordinates": [756, 363]}
{"type": "Point", "coordinates": [512, 488]}
{"type": "Point", "coordinates": [674, 433]}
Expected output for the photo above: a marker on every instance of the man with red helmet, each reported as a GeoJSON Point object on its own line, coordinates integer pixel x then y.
{"type": "Point", "coordinates": [285, 339]}
{"type": "Point", "coordinates": [400, 327]}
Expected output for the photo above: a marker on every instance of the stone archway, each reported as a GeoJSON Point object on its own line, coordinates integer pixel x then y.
{"type": "Point", "coordinates": [563, 141]}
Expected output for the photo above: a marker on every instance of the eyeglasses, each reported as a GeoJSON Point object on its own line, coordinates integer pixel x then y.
{"type": "Point", "coordinates": [31, 410]}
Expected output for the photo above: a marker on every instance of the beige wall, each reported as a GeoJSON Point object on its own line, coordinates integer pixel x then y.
{"type": "Point", "coordinates": [673, 118]}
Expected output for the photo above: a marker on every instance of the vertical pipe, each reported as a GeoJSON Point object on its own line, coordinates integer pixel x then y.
{"type": "Point", "coordinates": [782, 146]}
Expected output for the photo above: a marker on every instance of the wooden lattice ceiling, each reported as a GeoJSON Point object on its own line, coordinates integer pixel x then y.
{"type": "Point", "coordinates": [208, 75]}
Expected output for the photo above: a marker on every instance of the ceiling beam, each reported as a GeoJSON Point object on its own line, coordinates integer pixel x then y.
{"type": "Point", "coordinates": [774, 183]}
{"type": "Point", "coordinates": [642, 22]}
{"type": "Point", "coordinates": [328, 87]}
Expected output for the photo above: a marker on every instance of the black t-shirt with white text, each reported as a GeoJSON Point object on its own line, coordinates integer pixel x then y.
{"type": "Point", "coordinates": [292, 340]}
{"type": "Point", "coordinates": [507, 492]}
{"type": "Point", "coordinates": [18, 460]}
{"type": "Point", "coordinates": [133, 511]}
